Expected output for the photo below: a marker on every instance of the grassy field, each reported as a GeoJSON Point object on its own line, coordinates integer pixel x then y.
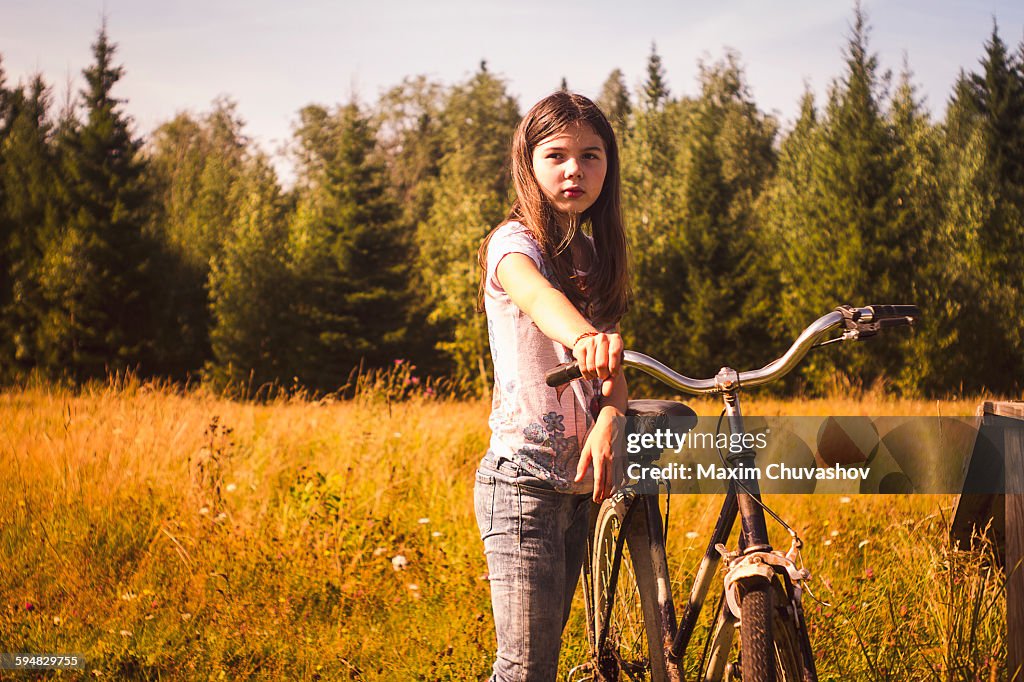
{"type": "Point", "coordinates": [164, 535]}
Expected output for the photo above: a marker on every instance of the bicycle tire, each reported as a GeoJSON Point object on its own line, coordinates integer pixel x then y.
{"type": "Point", "coordinates": [633, 649]}
{"type": "Point", "coordinates": [770, 648]}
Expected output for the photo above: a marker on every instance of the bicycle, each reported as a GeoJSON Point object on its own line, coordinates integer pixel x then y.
{"type": "Point", "coordinates": [762, 587]}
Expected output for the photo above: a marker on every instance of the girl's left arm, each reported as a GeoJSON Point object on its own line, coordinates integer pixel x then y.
{"type": "Point", "coordinates": [603, 444]}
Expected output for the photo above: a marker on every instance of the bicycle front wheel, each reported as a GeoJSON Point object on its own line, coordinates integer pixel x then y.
{"type": "Point", "coordinates": [770, 649]}
{"type": "Point", "coordinates": [633, 635]}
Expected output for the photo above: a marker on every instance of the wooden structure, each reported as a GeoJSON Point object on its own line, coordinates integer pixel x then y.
{"type": "Point", "coordinates": [997, 464]}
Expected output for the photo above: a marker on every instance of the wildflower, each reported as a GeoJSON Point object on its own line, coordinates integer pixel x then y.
{"type": "Point", "coordinates": [828, 542]}
{"type": "Point", "coordinates": [845, 500]}
{"type": "Point", "coordinates": [398, 361]}
{"type": "Point", "coordinates": [221, 516]}
{"type": "Point", "coordinates": [204, 510]}
{"type": "Point", "coordinates": [398, 562]}
{"type": "Point", "coordinates": [378, 551]}
{"type": "Point", "coordinates": [690, 535]}
{"type": "Point", "coordinates": [834, 533]}
{"type": "Point", "coordinates": [126, 633]}
{"type": "Point", "coordinates": [413, 586]}
{"type": "Point", "coordinates": [436, 534]}
{"type": "Point", "coordinates": [415, 381]}
{"type": "Point", "coordinates": [186, 616]}
{"type": "Point", "coordinates": [56, 620]}
{"type": "Point", "coordinates": [429, 392]}
{"type": "Point", "coordinates": [230, 487]}
{"type": "Point", "coordinates": [862, 544]}
{"type": "Point", "coordinates": [29, 606]}
{"type": "Point", "coordinates": [424, 521]}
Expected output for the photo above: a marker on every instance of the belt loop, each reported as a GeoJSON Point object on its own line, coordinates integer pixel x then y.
{"type": "Point", "coordinates": [514, 471]}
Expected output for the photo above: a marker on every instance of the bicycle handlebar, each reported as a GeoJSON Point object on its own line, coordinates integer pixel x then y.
{"type": "Point", "coordinates": [858, 323]}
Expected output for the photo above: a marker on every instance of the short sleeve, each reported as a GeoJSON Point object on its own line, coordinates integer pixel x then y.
{"type": "Point", "coordinates": [510, 238]}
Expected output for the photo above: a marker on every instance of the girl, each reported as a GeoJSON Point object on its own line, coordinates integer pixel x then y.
{"type": "Point", "coordinates": [551, 294]}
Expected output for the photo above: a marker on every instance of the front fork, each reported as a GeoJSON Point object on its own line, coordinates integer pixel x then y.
{"type": "Point", "coordinates": [754, 561]}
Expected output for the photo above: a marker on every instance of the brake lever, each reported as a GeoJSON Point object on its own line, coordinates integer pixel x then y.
{"type": "Point", "coordinates": [855, 329]}
{"type": "Point", "coordinates": [854, 334]}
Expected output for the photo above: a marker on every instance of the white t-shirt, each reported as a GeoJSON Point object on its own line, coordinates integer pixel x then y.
{"type": "Point", "coordinates": [538, 427]}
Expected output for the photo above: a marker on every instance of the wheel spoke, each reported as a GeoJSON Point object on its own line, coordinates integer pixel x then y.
{"type": "Point", "coordinates": [626, 640]}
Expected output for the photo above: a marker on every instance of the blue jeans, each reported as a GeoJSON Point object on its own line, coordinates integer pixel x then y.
{"type": "Point", "coordinates": [535, 539]}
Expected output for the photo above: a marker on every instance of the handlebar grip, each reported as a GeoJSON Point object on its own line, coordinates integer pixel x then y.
{"type": "Point", "coordinates": [885, 312]}
{"type": "Point", "coordinates": [889, 322]}
{"type": "Point", "coordinates": [563, 374]}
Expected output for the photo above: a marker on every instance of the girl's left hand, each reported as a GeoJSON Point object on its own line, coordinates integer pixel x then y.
{"type": "Point", "coordinates": [603, 449]}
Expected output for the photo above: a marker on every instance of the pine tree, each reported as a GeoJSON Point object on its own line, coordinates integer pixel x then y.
{"type": "Point", "coordinates": [410, 131]}
{"type": "Point", "coordinates": [705, 277]}
{"type": "Point", "coordinates": [470, 197]}
{"type": "Point", "coordinates": [408, 119]}
{"type": "Point", "coordinates": [7, 258]}
{"type": "Point", "coordinates": [353, 297]}
{"type": "Point", "coordinates": [196, 162]}
{"type": "Point", "coordinates": [729, 159]}
{"type": "Point", "coordinates": [27, 181]}
{"type": "Point", "coordinates": [252, 293]}
{"type": "Point", "coordinates": [929, 277]}
{"type": "Point", "coordinates": [655, 89]}
{"type": "Point", "coordinates": [196, 167]}
{"type": "Point", "coordinates": [841, 235]}
{"type": "Point", "coordinates": [614, 101]}
{"type": "Point", "coordinates": [650, 188]}
{"type": "Point", "coordinates": [985, 220]}
{"type": "Point", "coordinates": [786, 205]}
{"type": "Point", "coordinates": [96, 271]}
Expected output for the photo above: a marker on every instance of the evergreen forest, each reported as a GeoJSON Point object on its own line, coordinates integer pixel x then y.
{"type": "Point", "coordinates": [181, 256]}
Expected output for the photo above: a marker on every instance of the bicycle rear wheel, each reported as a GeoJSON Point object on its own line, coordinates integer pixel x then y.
{"type": "Point", "coordinates": [639, 627]}
{"type": "Point", "coordinates": [770, 642]}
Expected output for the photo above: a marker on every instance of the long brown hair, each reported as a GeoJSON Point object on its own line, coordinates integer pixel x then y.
{"type": "Point", "coordinates": [607, 292]}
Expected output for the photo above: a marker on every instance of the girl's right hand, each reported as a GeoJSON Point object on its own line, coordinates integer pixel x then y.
{"type": "Point", "coordinates": [600, 357]}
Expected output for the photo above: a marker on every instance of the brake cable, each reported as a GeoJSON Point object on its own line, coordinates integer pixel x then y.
{"type": "Point", "coordinates": [755, 498]}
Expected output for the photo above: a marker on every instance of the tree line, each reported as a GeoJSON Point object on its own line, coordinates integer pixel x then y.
{"type": "Point", "coordinates": [181, 255]}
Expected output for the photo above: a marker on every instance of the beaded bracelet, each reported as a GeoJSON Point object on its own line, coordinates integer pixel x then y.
{"type": "Point", "coordinates": [583, 336]}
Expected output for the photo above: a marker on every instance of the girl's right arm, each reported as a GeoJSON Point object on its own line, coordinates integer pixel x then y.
{"type": "Point", "coordinates": [599, 355]}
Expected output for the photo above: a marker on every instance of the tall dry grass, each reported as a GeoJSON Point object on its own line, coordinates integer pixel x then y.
{"type": "Point", "coordinates": [171, 535]}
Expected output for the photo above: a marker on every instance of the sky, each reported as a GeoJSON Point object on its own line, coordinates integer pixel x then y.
{"type": "Point", "coordinates": [274, 57]}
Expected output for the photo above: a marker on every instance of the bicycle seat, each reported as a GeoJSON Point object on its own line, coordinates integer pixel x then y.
{"type": "Point", "coordinates": [656, 413]}
{"type": "Point", "coordinates": [649, 416]}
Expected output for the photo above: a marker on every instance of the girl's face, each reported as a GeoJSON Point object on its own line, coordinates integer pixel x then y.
{"type": "Point", "coordinates": [570, 168]}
